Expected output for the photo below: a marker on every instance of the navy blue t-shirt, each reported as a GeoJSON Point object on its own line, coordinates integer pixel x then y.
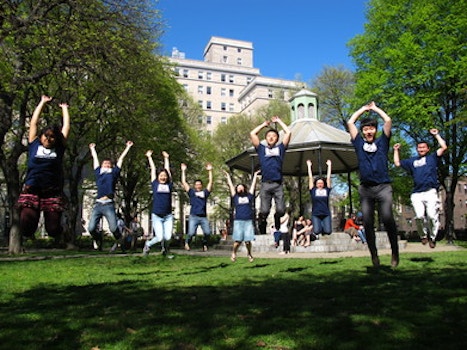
{"type": "Point", "coordinates": [198, 201]}
{"type": "Point", "coordinates": [243, 207]}
{"type": "Point", "coordinates": [372, 160]}
{"type": "Point", "coordinates": [44, 165]}
{"type": "Point", "coordinates": [320, 201]}
{"type": "Point", "coordinates": [106, 181]}
{"type": "Point", "coordinates": [161, 198]}
{"type": "Point", "coordinates": [424, 171]}
{"type": "Point", "coordinates": [270, 160]}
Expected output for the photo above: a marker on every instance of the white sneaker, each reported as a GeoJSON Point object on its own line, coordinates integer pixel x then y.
{"type": "Point", "coordinates": [146, 250]}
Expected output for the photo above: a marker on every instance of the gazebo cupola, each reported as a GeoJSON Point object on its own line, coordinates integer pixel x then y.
{"type": "Point", "coordinates": [304, 105]}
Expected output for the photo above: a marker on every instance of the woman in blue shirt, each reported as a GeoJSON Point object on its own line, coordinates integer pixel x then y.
{"type": "Point", "coordinates": [243, 229]}
{"type": "Point", "coordinates": [161, 215]}
{"type": "Point", "coordinates": [319, 192]}
{"type": "Point", "coordinates": [43, 187]}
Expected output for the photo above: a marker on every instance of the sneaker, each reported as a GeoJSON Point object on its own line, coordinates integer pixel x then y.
{"type": "Point", "coordinates": [424, 240]}
{"type": "Point", "coordinates": [146, 250]}
{"type": "Point", "coordinates": [432, 244]}
{"type": "Point", "coordinates": [205, 248]}
{"type": "Point", "coordinates": [114, 248]}
{"type": "Point", "coordinates": [187, 246]}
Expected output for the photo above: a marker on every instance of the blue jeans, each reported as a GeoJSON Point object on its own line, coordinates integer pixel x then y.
{"type": "Point", "coordinates": [106, 210]}
{"type": "Point", "coordinates": [321, 225]}
{"type": "Point", "coordinates": [193, 222]}
{"type": "Point", "coordinates": [162, 227]}
{"type": "Point", "coordinates": [382, 195]}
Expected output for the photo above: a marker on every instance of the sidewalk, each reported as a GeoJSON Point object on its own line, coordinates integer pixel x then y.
{"type": "Point", "coordinates": [410, 248]}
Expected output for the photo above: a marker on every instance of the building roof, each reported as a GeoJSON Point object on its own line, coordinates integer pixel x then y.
{"type": "Point", "coordinates": [311, 139]}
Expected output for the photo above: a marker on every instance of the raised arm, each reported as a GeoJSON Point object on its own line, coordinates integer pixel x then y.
{"type": "Point", "coordinates": [442, 144]}
{"type": "Point", "coordinates": [397, 160]}
{"type": "Point", "coordinates": [209, 169]}
{"type": "Point", "coordinates": [229, 183]}
{"type": "Point", "coordinates": [309, 164]}
{"type": "Point", "coordinates": [95, 159]}
{"type": "Point", "coordinates": [353, 130]}
{"type": "Point", "coordinates": [287, 132]}
{"type": "Point", "coordinates": [124, 153]}
{"type": "Point", "coordinates": [185, 185]}
{"type": "Point", "coordinates": [151, 165]}
{"type": "Point", "coordinates": [166, 162]}
{"type": "Point", "coordinates": [253, 181]}
{"type": "Point", "coordinates": [35, 117]}
{"type": "Point", "coordinates": [254, 133]}
{"type": "Point", "coordinates": [328, 176]}
{"type": "Point", "coordinates": [66, 120]}
{"type": "Point", "coordinates": [387, 120]}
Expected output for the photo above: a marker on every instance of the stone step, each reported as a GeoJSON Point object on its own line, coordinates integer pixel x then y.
{"type": "Point", "coordinates": [336, 242]}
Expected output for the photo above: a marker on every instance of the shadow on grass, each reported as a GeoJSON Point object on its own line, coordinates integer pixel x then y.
{"type": "Point", "coordinates": [294, 308]}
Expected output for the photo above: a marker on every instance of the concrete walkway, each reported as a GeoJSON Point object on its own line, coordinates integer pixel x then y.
{"type": "Point", "coordinates": [410, 248]}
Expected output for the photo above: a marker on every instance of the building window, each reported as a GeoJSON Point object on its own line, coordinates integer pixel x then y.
{"type": "Point", "coordinates": [248, 80]}
{"type": "Point", "coordinates": [185, 73]}
{"type": "Point", "coordinates": [200, 89]}
{"type": "Point", "coordinates": [225, 47]}
{"type": "Point", "coordinates": [200, 103]}
{"type": "Point", "coordinates": [200, 119]}
{"type": "Point", "coordinates": [223, 120]}
{"type": "Point", "coordinates": [208, 119]}
{"type": "Point", "coordinates": [223, 91]}
{"type": "Point", "coordinates": [231, 92]}
{"type": "Point", "coordinates": [223, 77]}
{"type": "Point", "coordinates": [231, 78]}
{"type": "Point", "coordinates": [239, 61]}
{"type": "Point", "coordinates": [200, 75]}
{"type": "Point", "coordinates": [208, 76]}
{"type": "Point", "coordinates": [224, 59]}
{"type": "Point", "coordinates": [208, 105]}
{"type": "Point", "coordinates": [185, 86]}
{"type": "Point", "coordinates": [223, 106]}
{"type": "Point", "coordinates": [270, 94]}
{"type": "Point", "coordinates": [239, 50]}
{"type": "Point", "coordinates": [208, 90]}
{"type": "Point", "coordinates": [231, 107]}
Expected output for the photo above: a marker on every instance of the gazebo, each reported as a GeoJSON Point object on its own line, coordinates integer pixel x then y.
{"type": "Point", "coordinates": [311, 139]}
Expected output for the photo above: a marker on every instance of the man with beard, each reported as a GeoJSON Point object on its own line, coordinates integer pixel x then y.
{"type": "Point", "coordinates": [375, 184]}
{"type": "Point", "coordinates": [424, 170]}
{"type": "Point", "coordinates": [243, 229]}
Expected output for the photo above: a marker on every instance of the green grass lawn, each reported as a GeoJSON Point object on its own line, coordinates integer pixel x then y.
{"type": "Point", "coordinates": [200, 302]}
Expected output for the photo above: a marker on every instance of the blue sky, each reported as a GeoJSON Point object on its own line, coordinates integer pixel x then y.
{"type": "Point", "coordinates": [291, 39]}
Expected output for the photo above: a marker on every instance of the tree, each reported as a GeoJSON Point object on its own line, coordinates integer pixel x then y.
{"type": "Point", "coordinates": [335, 88]}
{"type": "Point", "coordinates": [412, 60]}
{"type": "Point", "coordinates": [100, 58]}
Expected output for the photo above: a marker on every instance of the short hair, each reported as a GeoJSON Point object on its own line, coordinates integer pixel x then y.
{"type": "Point", "coordinates": [368, 122]}
{"type": "Point", "coordinates": [274, 131]}
{"type": "Point", "coordinates": [423, 141]}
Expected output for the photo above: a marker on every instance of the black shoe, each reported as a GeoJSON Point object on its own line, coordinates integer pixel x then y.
{"type": "Point", "coordinates": [432, 244]}
{"type": "Point", "coordinates": [395, 260]}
